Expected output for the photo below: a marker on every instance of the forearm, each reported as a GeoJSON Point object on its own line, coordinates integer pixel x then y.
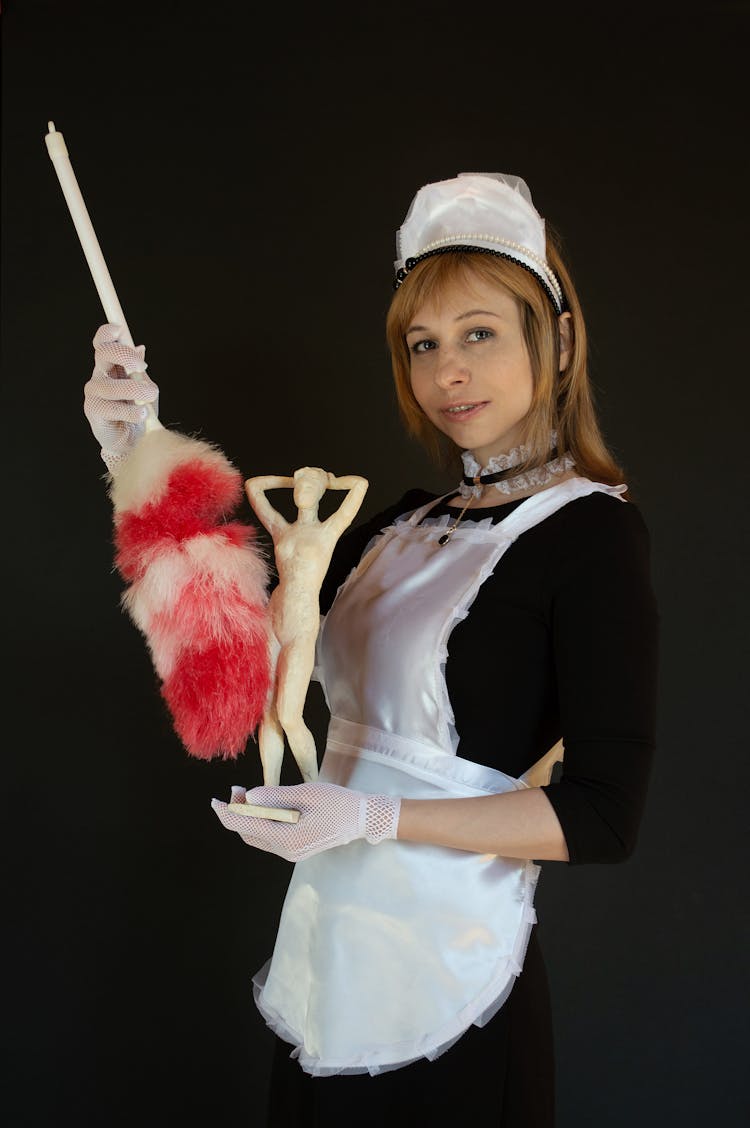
{"type": "Point", "coordinates": [347, 482]}
{"type": "Point", "coordinates": [258, 486]}
{"type": "Point", "coordinates": [349, 507]}
{"type": "Point", "coordinates": [516, 824]}
{"type": "Point", "coordinates": [255, 489]}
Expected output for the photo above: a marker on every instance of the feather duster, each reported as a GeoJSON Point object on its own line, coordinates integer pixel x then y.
{"type": "Point", "coordinates": [196, 582]}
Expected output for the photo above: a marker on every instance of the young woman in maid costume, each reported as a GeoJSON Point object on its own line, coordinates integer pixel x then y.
{"type": "Point", "coordinates": [468, 643]}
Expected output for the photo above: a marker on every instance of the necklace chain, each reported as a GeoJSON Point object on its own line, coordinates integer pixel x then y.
{"type": "Point", "coordinates": [452, 528]}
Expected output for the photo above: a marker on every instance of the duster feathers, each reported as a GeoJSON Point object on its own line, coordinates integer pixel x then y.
{"type": "Point", "coordinates": [197, 588]}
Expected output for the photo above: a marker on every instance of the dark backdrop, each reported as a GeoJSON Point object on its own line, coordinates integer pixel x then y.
{"type": "Point", "coordinates": [246, 176]}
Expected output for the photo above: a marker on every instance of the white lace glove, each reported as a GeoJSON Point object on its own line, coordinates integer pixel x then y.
{"type": "Point", "coordinates": [329, 816]}
{"type": "Point", "coordinates": [109, 396]}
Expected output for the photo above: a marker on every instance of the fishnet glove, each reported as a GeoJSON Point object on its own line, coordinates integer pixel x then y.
{"type": "Point", "coordinates": [108, 397]}
{"type": "Point", "coordinates": [329, 816]}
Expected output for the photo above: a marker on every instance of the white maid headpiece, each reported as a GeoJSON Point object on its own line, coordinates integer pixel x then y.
{"type": "Point", "coordinates": [485, 211]}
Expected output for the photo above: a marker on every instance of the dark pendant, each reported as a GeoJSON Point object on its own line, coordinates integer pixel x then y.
{"type": "Point", "coordinates": [445, 537]}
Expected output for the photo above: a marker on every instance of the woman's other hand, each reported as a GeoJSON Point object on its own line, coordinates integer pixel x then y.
{"type": "Point", "coordinates": [330, 816]}
{"type": "Point", "coordinates": [110, 396]}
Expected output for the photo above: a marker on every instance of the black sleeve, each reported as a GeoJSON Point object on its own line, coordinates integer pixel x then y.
{"type": "Point", "coordinates": [605, 638]}
{"type": "Point", "coordinates": [353, 543]}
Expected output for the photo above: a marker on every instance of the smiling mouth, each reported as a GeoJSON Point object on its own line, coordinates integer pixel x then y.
{"type": "Point", "coordinates": [463, 410]}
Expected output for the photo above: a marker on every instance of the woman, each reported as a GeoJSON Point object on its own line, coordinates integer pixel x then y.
{"type": "Point", "coordinates": [463, 637]}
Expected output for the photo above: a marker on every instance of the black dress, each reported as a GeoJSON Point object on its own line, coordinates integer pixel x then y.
{"type": "Point", "coordinates": [560, 641]}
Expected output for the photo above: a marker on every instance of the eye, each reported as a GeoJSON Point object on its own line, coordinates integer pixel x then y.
{"type": "Point", "coordinates": [426, 345]}
{"type": "Point", "coordinates": [479, 335]}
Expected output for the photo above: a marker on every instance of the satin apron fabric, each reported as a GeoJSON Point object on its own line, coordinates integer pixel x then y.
{"type": "Point", "coordinates": [388, 953]}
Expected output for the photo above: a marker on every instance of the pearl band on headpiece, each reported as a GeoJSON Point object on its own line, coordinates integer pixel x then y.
{"type": "Point", "coordinates": [477, 211]}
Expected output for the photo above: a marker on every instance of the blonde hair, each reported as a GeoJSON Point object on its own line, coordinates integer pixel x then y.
{"type": "Point", "coordinates": [561, 400]}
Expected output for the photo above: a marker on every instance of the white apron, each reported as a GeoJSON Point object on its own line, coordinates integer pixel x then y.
{"type": "Point", "coordinates": [388, 953]}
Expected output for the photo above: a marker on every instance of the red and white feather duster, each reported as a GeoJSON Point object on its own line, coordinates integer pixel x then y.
{"type": "Point", "coordinates": [196, 580]}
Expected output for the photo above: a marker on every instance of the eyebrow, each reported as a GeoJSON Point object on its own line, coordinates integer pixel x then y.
{"type": "Point", "coordinates": [461, 317]}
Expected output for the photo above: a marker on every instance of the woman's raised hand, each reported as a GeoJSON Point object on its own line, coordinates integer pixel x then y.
{"type": "Point", "coordinates": [110, 396]}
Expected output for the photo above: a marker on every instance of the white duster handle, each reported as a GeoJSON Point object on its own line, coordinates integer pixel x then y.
{"type": "Point", "coordinates": [58, 152]}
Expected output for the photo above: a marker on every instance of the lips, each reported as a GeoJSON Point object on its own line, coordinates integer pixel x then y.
{"type": "Point", "coordinates": [471, 410]}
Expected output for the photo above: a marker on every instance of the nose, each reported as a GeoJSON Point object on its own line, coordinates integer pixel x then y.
{"type": "Point", "coordinates": [451, 370]}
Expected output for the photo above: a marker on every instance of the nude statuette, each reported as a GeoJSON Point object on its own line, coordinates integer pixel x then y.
{"type": "Point", "coordinates": [302, 549]}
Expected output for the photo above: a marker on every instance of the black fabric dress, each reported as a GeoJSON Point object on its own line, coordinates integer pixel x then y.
{"type": "Point", "coordinates": [561, 641]}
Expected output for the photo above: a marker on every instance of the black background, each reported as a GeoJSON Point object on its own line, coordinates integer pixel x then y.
{"type": "Point", "coordinates": [245, 171]}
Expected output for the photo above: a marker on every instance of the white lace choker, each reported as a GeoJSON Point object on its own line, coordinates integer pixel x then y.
{"type": "Point", "coordinates": [477, 478]}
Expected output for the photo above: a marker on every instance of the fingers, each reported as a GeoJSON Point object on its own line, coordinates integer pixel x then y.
{"type": "Point", "coordinates": [239, 823]}
{"type": "Point", "coordinates": [113, 403]}
{"type": "Point", "coordinates": [115, 354]}
{"type": "Point", "coordinates": [105, 387]}
{"type": "Point", "coordinates": [100, 408]}
{"type": "Point", "coordinates": [110, 351]}
{"type": "Point", "coordinates": [106, 333]}
{"type": "Point", "coordinates": [263, 834]}
{"type": "Point", "coordinates": [116, 422]}
{"type": "Point", "coordinates": [290, 797]}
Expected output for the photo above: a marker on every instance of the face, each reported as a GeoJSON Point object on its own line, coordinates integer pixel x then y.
{"type": "Point", "coordinates": [308, 489]}
{"type": "Point", "coordinates": [470, 369]}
